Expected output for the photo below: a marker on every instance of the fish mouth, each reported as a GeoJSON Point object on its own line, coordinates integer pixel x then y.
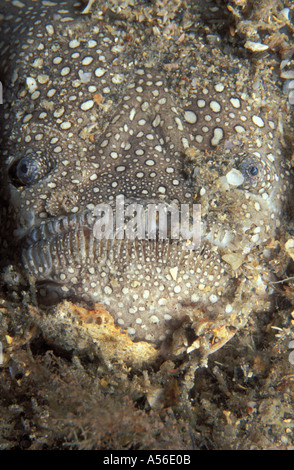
{"type": "Point", "coordinates": [73, 244]}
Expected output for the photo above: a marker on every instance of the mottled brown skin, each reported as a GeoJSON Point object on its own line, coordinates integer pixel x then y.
{"type": "Point", "coordinates": [84, 124]}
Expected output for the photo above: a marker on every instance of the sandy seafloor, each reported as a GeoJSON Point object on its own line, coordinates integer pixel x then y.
{"type": "Point", "coordinates": [243, 398]}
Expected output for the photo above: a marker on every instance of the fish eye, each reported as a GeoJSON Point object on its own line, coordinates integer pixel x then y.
{"type": "Point", "coordinates": [252, 170]}
{"type": "Point", "coordinates": [29, 170]}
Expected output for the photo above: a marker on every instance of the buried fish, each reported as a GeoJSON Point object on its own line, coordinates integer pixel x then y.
{"type": "Point", "coordinates": [87, 122]}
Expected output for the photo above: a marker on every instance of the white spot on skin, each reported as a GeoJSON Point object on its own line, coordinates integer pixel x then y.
{"type": "Point", "coordinates": [87, 60]}
{"type": "Point", "coordinates": [59, 112]}
{"type": "Point", "coordinates": [201, 103]}
{"type": "Point", "coordinates": [145, 106]}
{"type": "Point", "coordinates": [271, 157]}
{"type": "Point", "coordinates": [27, 118]}
{"type": "Point", "coordinates": [57, 60]}
{"type": "Point", "coordinates": [50, 29]}
{"type": "Point", "coordinates": [120, 168]}
{"type": "Point", "coordinates": [150, 162]}
{"type": "Point", "coordinates": [132, 114]}
{"type": "Point", "coordinates": [154, 319]}
{"type": "Point", "coordinates": [92, 43]}
{"type": "Point", "coordinates": [179, 124]}
{"type": "Point", "coordinates": [257, 121]}
{"type": "Point", "coordinates": [239, 129]}
{"type": "Point", "coordinates": [74, 43]}
{"type": "Point", "coordinates": [117, 78]}
{"type": "Point", "coordinates": [65, 71]}
{"type": "Point", "coordinates": [31, 84]}
{"type": "Point", "coordinates": [18, 4]}
{"type": "Point", "coordinates": [87, 105]}
{"type": "Point", "coordinates": [235, 102]}
{"type": "Point", "coordinates": [146, 294]}
{"type": "Point", "coordinates": [190, 117]}
{"type": "Point", "coordinates": [218, 134]}
{"type": "Point", "coordinates": [100, 72]}
{"type": "Point", "coordinates": [156, 121]}
{"type": "Point", "coordinates": [131, 331]}
{"type": "Point", "coordinates": [51, 92]}
{"type": "Point", "coordinates": [167, 317]}
{"type": "Point", "coordinates": [170, 169]}
{"type": "Point", "coordinates": [162, 100]}
{"type": "Point", "coordinates": [219, 87]}
{"type": "Point", "coordinates": [65, 125]}
{"type": "Point", "coordinates": [215, 106]}
{"type": "Point", "coordinates": [35, 95]}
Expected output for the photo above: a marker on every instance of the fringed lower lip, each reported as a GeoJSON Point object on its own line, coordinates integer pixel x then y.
{"type": "Point", "coordinates": [56, 244]}
{"type": "Point", "coordinates": [54, 227]}
{"type": "Point", "coordinates": [72, 240]}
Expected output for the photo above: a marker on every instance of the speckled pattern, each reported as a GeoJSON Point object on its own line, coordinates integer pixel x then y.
{"type": "Point", "coordinates": [84, 122]}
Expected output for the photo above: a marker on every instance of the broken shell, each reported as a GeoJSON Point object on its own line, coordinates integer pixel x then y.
{"type": "Point", "coordinates": [255, 46]}
{"type": "Point", "coordinates": [234, 260]}
{"type": "Point", "coordinates": [235, 177]}
{"type": "Point", "coordinates": [289, 246]}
